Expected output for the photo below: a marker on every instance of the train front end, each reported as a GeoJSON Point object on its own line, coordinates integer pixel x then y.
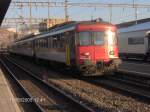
{"type": "Point", "coordinates": [97, 48]}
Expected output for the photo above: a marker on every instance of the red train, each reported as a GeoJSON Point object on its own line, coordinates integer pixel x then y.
{"type": "Point", "coordinates": [90, 47]}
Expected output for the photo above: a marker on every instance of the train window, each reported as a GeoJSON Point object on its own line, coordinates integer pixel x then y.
{"type": "Point", "coordinates": [54, 41]}
{"type": "Point", "coordinates": [85, 38]}
{"type": "Point", "coordinates": [99, 38]}
{"type": "Point", "coordinates": [64, 39]}
{"type": "Point", "coordinates": [58, 41]}
{"type": "Point", "coordinates": [41, 44]}
{"type": "Point", "coordinates": [49, 42]}
{"type": "Point", "coordinates": [29, 45]}
{"type": "Point", "coordinates": [72, 40]}
{"type": "Point", "coordinates": [62, 42]}
{"type": "Point", "coordinates": [36, 44]}
{"type": "Point", "coordinates": [137, 40]}
{"type": "Point", "coordinates": [45, 43]}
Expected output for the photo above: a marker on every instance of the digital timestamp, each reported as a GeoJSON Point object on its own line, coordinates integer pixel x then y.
{"type": "Point", "coordinates": [27, 100]}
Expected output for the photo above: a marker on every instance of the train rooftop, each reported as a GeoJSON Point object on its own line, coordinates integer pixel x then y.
{"type": "Point", "coordinates": [136, 27]}
{"type": "Point", "coordinates": [62, 26]}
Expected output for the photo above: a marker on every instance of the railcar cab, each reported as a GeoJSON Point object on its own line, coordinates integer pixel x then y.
{"type": "Point", "coordinates": [96, 46]}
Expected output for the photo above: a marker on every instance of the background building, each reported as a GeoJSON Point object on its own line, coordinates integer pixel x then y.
{"type": "Point", "coordinates": [52, 22]}
{"type": "Point", "coordinates": [6, 37]}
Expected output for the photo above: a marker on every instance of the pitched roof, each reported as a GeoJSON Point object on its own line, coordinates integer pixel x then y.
{"type": "Point", "coordinates": [136, 27]}
{"type": "Point", "coordinates": [4, 4]}
{"type": "Point", "coordinates": [130, 23]}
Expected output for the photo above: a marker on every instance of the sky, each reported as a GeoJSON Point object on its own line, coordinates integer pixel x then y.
{"type": "Point", "coordinates": [119, 15]}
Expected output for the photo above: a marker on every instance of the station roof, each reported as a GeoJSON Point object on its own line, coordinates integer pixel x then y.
{"type": "Point", "coordinates": [131, 23]}
{"type": "Point", "coordinates": [136, 27]}
{"type": "Point", "coordinates": [4, 4]}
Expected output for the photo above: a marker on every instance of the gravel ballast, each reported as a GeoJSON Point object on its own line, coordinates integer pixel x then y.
{"type": "Point", "coordinates": [96, 96]}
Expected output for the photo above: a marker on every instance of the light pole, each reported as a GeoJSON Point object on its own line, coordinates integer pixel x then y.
{"type": "Point", "coordinates": [48, 10]}
{"type": "Point", "coordinates": [136, 11]}
{"type": "Point", "coordinates": [66, 10]}
{"type": "Point", "coordinates": [30, 15]}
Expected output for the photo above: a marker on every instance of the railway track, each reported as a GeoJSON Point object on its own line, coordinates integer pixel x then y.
{"type": "Point", "coordinates": [30, 106]}
{"type": "Point", "coordinates": [136, 86]}
{"type": "Point", "coordinates": [143, 79]}
{"type": "Point", "coordinates": [130, 83]}
{"type": "Point", "coordinates": [123, 87]}
{"type": "Point", "coordinates": [53, 99]}
{"type": "Point", "coordinates": [136, 60]}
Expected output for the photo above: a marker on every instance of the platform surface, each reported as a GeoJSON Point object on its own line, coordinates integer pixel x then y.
{"type": "Point", "coordinates": [136, 67]}
{"type": "Point", "coordinates": [7, 100]}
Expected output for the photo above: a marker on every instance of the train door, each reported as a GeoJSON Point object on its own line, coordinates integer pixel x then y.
{"type": "Point", "coordinates": [148, 46]}
{"type": "Point", "coordinates": [148, 42]}
{"type": "Point", "coordinates": [70, 48]}
{"type": "Point", "coordinates": [148, 50]}
{"type": "Point", "coordinates": [34, 47]}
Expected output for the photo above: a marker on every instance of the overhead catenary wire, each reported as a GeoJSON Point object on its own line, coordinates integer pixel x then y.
{"type": "Point", "coordinates": [66, 5]}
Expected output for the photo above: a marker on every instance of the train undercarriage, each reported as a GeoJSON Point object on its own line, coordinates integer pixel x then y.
{"type": "Point", "coordinates": [100, 68]}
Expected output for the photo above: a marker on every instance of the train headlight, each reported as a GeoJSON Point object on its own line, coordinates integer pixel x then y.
{"type": "Point", "coordinates": [87, 54]}
{"type": "Point", "coordinates": [111, 36]}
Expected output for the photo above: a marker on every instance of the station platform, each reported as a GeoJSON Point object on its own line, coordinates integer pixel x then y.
{"type": "Point", "coordinates": [7, 100]}
{"type": "Point", "coordinates": [136, 67]}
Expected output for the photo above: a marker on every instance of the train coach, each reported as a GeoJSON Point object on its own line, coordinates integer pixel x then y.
{"type": "Point", "coordinates": [90, 47]}
{"type": "Point", "coordinates": [134, 41]}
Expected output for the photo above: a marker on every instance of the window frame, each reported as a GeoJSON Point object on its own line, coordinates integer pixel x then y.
{"type": "Point", "coordinates": [135, 41]}
{"type": "Point", "coordinates": [92, 38]}
{"type": "Point", "coordinates": [95, 37]}
{"type": "Point", "coordinates": [78, 39]}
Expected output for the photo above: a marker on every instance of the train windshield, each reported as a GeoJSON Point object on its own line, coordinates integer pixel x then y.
{"type": "Point", "coordinates": [98, 38]}
{"type": "Point", "coordinates": [91, 38]}
{"type": "Point", "coordinates": [85, 38]}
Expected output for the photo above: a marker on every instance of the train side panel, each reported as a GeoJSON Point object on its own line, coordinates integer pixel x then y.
{"type": "Point", "coordinates": [25, 48]}
{"type": "Point", "coordinates": [51, 54]}
{"type": "Point", "coordinates": [133, 43]}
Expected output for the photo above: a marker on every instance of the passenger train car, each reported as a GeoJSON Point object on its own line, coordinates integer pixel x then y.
{"type": "Point", "coordinates": [134, 41]}
{"type": "Point", "coordinates": [90, 47]}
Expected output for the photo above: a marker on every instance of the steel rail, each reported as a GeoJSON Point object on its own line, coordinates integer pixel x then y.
{"type": "Point", "coordinates": [76, 4]}
{"type": "Point", "coordinates": [98, 82]}
{"type": "Point", "coordinates": [134, 74]}
{"type": "Point", "coordinates": [81, 106]}
{"type": "Point", "coordinates": [130, 88]}
{"type": "Point", "coordinates": [130, 82]}
{"type": "Point", "coordinates": [27, 95]}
